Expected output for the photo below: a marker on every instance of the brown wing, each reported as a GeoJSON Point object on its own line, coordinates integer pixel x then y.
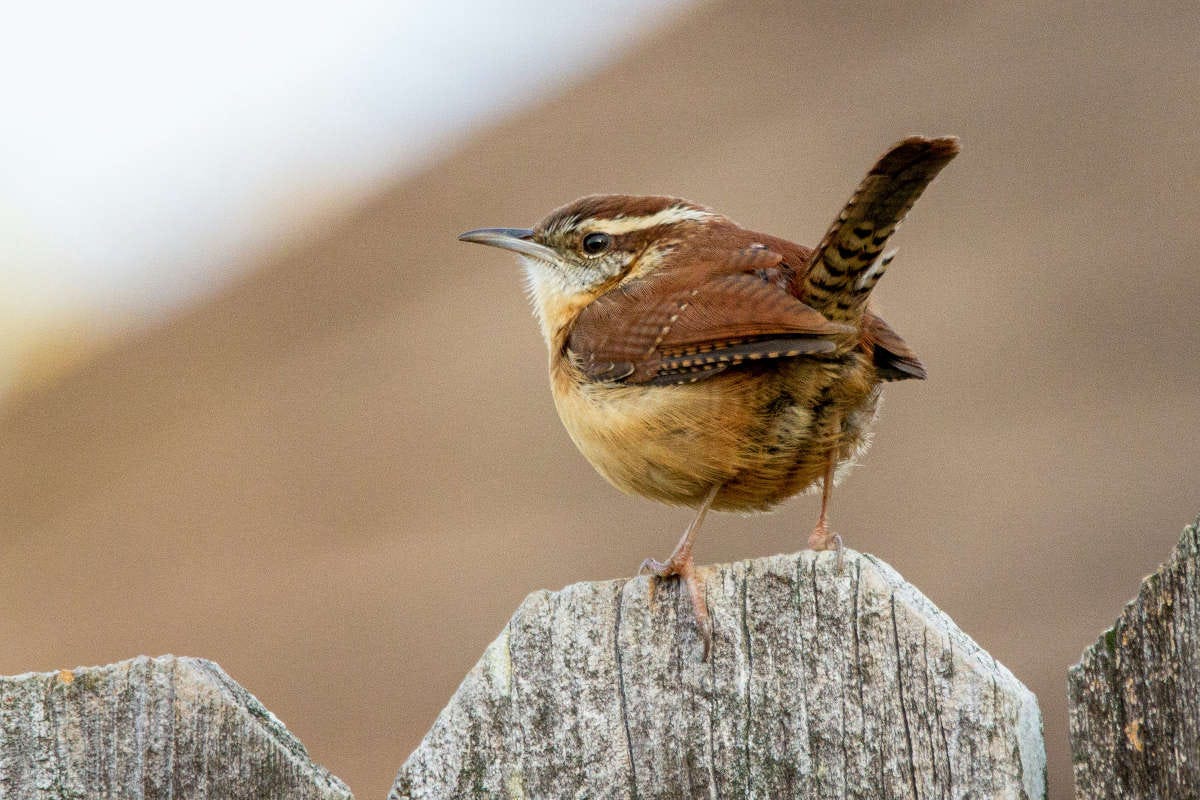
{"type": "Point", "coordinates": [893, 358]}
{"type": "Point", "coordinates": [663, 329]}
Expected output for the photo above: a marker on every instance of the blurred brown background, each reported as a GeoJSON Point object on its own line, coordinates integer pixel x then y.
{"type": "Point", "coordinates": [338, 477]}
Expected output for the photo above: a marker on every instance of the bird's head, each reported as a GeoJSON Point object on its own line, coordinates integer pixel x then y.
{"type": "Point", "coordinates": [584, 249]}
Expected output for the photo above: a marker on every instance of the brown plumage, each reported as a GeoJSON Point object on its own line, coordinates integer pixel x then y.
{"type": "Point", "coordinates": [699, 363]}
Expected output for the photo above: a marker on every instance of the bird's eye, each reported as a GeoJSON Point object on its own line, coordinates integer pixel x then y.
{"type": "Point", "coordinates": [596, 243]}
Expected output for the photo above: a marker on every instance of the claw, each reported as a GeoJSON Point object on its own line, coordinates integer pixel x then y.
{"type": "Point", "coordinates": [681, 563]}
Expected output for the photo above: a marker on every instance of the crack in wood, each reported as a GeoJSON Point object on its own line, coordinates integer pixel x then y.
{"type": "Point", "coordinates": [799, 696]}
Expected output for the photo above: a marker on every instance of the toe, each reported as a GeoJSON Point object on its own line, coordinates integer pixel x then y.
{"type": "Point", "coordinates": [652, 566]}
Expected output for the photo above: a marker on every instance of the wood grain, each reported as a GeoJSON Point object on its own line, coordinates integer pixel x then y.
{"type": "Point", "coordinates": [148, 728]}
{"type": "Point", "coordinates": [820, 684]}
{"type": "Point", "coordinates": [1134, 697]}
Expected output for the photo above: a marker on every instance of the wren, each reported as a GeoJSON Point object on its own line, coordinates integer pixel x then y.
{"type": "Point", "coordinates": [698, 363]}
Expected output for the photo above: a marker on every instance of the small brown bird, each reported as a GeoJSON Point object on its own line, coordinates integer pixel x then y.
{"type": "Point", "coordinates": [698, 363]}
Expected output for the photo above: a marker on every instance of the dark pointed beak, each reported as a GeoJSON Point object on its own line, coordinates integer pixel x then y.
{"type": "Point", "coordinates": [519, 240]}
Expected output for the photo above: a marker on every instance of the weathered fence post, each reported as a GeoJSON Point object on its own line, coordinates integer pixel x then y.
{"type": "Point", "coordinates": [820, 685]}
{"type": "Point", "coordinates": [148, 728]}
{"type": "Point", "coordinates": [1135, 695]}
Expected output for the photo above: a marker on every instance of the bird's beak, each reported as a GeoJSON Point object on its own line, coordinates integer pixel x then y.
{"type": "Point", "coordinates": [519, 240]}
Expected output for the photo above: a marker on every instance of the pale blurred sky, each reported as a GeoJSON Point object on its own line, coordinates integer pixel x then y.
{"type": "Point", "coordinates": [147, 148]}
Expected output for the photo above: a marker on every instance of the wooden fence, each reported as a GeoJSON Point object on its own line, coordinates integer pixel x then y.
{"type": "Point", "coordinates": [821, 684]}
{"type": "Point", "coordinates": [1135, 694]}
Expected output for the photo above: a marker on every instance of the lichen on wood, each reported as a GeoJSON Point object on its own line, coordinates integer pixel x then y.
{"type": "Point", "coordinates": [820, 685]}
{"type": "Point", "coordinates": [162, 727]}
{"type": "Point", "coordinates": [1134, 697]}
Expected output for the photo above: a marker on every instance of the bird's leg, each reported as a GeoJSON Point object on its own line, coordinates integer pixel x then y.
{"type": "Point", "coordinates": [681, 563]}
{"type": "Point", "coordinates": [821, 538]}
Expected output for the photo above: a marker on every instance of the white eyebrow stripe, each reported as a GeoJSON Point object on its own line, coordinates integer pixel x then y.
{"type": "Point", "coordinates": [664, 217]}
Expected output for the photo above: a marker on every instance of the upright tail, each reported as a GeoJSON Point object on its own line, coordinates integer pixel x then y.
{"type": "Point", "coordinates": [850, 259]}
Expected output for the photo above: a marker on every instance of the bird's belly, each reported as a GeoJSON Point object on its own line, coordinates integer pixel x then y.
{"type": "Point", "coordinates": [764, 436]}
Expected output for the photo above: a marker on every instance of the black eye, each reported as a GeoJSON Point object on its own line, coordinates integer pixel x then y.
{"type": "Point", "coordinates": [596, 243]}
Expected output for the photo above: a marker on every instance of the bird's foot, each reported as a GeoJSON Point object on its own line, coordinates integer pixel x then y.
{"type": "Point", "coordinates": [682, 564]}
{"type": "Point", "coordinates": [824, 539]}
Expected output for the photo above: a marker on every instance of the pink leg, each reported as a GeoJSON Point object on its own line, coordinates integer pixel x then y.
{"type": "Point", "coordinates": [682, 564]}
{"type": "Point", "coordinates": [821, 538]}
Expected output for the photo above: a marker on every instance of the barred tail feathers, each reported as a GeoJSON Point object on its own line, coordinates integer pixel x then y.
{"type": "Point", "coordinates": [850, 259]}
